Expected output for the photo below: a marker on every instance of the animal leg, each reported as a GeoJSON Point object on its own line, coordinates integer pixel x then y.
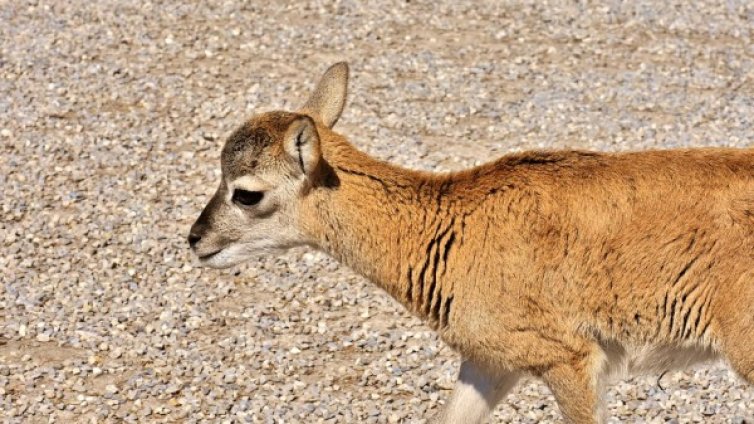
{"type": "Point", "coordinates": [577, 388]}
{"type": "Point", "coordinates": [476, 393]}
{"type": "Point", "coordinates": [738, 345]}
{"type": "Point", "coordinates": [734, 327]}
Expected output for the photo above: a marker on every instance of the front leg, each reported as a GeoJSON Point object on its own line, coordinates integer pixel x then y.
{"type": "Point", "coordinates": [476, 393]}
{"type": "Point", "coordinates": [577, 387]}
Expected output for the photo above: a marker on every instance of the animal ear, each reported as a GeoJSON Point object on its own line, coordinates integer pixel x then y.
{"type": "Point", "coordinates": [301, 145]}
{"type": "Point", "coordinates": [327, 101]}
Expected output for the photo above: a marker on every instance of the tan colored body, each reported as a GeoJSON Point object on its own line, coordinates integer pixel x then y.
{"type": "Point", "coordinates": [570, 266]}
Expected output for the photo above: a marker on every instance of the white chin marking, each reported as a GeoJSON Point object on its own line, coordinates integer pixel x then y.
{"type": "Point", "coordinates": [236, 254]}
{"type": "Point", "coordinates": [225, 258]}
{"type": "Point", "coordinates": [216, 261]}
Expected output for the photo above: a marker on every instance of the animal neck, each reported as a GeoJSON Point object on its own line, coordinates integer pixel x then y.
{"type": "Point", "coordinates": [388, 224]}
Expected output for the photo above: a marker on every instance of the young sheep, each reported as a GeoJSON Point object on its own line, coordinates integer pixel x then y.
{"type": "Point", "coordinates": [569, 266]}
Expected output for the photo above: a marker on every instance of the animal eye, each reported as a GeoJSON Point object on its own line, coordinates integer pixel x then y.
{"type": "Point", "coordinates": [247, 198]}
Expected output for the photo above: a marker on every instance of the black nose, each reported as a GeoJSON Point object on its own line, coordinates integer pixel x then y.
{"type": "Point", "coordinates": [193, 238]}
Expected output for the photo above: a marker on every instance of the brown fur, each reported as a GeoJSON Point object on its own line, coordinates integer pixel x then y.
{"type": "Point", "coordinates": [556, 264]}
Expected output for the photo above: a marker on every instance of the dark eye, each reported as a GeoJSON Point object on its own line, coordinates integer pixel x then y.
{"type": "Point", "coordinates": [247, 198]}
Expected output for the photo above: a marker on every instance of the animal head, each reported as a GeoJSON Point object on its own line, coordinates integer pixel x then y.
{"type": "Point", "coordinates": [268, 166]}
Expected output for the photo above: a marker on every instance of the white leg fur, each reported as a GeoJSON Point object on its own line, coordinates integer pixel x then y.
{"type": "Point", "coordinates": [476, 393]}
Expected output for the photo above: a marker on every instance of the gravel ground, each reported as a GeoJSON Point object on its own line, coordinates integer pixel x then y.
{"type": "Point", "coordinates": [112, 115]}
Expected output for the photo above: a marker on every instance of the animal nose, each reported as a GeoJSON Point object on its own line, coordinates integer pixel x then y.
{"type": "Point", "coordinates": [193, 239]}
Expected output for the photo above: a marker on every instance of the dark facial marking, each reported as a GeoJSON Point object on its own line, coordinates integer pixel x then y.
{"type": "Point", "coordinates": [249, 142]}
{"type": "Point", "coordinates": [248, 138]}
{"type": "Point", "coordinates": [244, 147]}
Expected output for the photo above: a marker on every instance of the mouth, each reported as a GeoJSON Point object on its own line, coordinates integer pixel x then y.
{"type": "Point", "coordinates": [221, 258]}
{"type": "Point", "coordinates": [209, 255]}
